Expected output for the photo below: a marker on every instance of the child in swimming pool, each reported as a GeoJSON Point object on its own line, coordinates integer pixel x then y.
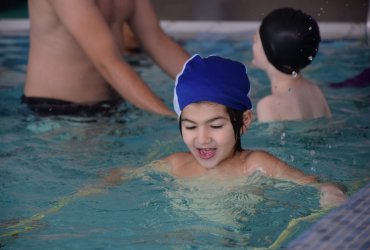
{"type": "Point", "coordinates": [286, 42]}
{"type": "Point", "coordinates": [212, 103]}
{"type": "Point", "coordinates": [214, 110]}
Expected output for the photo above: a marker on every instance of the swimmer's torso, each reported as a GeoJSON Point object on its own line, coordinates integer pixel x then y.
{"type": "Point", "coordinates": [58, 67]}
{"type": "Point", "coordinates": [224, 202]}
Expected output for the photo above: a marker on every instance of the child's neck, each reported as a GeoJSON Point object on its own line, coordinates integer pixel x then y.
{"type": "Point", "coordinates": [227, 168]}
{"type": "Point", "coordinates": [283, 83]}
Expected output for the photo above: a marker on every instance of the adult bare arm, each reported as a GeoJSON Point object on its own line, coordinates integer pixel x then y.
{"type": "Point", "coordinates": [168, 54]}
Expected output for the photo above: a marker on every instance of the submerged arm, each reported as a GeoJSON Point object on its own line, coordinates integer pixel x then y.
{"type": "Point", "coordinates": [117, 175]}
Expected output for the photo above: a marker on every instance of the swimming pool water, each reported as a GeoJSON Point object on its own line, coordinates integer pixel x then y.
{"type": "Point", "coordinates": [45, 161]}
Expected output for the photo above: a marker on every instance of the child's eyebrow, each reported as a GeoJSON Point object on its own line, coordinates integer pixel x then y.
{"type": "Point", "coordinates": [186, 120]}
{"type": "Point", "coordinates": [208, 121]}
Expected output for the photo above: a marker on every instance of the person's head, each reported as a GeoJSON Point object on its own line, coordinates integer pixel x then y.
{"type": "Point", "coordinates": [290, 40]}
{"type": "Point", "coordinates": [211, 98]}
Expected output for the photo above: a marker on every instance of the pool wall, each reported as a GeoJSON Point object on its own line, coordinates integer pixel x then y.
{"type": "Point", "coordinates": [338, 19]}
{"type": "Point", "coordinates": [229, 29]}
{"type": "Point", "coordinates": [251, 10]}
{"type": "Point", "coordinates": [235, 10]}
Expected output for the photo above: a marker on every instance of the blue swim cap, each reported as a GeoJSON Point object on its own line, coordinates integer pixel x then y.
{"type": "Point", "coordinates": [213, 79]}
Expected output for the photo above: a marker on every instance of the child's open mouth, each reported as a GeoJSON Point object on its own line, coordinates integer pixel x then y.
{"type": "Point", "coordinates": [206, 153]}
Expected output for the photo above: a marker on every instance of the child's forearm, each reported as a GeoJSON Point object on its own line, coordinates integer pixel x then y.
{"type": "Point", "coordinates": [113, 178]}
{"type": "Point", "coordinates": [331, 194]}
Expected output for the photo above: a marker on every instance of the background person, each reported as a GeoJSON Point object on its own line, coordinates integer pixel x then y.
{"type": "Point", "coordinates": [75, 58]}
{"type": "Point", "coordinates": [286, 42]}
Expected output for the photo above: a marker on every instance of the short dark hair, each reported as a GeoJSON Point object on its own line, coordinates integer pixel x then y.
{"type": "Point", "coordinates": [236, 119]}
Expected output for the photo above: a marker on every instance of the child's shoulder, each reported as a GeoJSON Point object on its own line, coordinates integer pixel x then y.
{"type": "Point", "coordinates": [270, 108]}
{"type": "Point", "coordinates": [179, 159]}
{"type": "Point", "coordinates": [183, 164]}
{"type": "Point", "coordinates": [259, 160]}
{"type": "Point", "coordinates": [316, 89]}
{"type": "Point", "coordinates": [256, 156]}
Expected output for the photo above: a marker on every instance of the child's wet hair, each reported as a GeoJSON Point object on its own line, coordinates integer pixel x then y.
{"type": "Point", "coordinates": [236, 119]}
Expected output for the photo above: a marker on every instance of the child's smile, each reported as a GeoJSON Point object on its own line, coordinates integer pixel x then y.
{"type": "Point", "coordinates": [206, 153]}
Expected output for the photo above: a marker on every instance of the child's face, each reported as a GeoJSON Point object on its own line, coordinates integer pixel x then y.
{"type": "Point", "coordinates": [208, 133]}
{"type": "Point", "coordinates": [259, 56]}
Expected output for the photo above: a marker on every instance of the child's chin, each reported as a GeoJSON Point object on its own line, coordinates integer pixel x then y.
{"type": "Point", "coordinates": [208, 164]}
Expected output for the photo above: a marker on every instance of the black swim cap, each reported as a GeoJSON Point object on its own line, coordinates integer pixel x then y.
{"type": "Point", "coordinates": [290, 39]}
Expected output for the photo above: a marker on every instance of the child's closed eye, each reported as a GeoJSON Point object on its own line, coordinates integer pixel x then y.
{"type": "Point", "coordinates": [216, 126]}
{"type": "Point", "coordinates": [190, 127]}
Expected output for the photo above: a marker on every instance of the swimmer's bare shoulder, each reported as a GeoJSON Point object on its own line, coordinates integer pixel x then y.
{"type": "Point", "coordinates": [257, 160]}
{"type": "Point", "coordinates": [178, 160]}
{"type": "Point", "coordinates": [271, 166]}
{"type": "Point", "coordinates": [182, 165]}
{"type": "Point", "coordinates": [269, 108]}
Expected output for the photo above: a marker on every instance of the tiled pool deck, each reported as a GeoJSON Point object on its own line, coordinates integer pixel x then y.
{"type": "Point", "coordinates": [346, 227]}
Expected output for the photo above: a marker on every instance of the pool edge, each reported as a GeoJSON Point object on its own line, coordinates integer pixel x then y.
{"type": "Point", "coordinates": [345, 227]}
{"type": "Point", "coordinates": [232, 29]}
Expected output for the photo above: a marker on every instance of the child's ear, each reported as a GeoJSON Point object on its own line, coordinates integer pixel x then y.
{"type": "Point", "coordinates": [247, 120]}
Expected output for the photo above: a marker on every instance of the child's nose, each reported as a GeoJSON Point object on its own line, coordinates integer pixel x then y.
{"type": "Point", "coordinates": [203, 136]}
